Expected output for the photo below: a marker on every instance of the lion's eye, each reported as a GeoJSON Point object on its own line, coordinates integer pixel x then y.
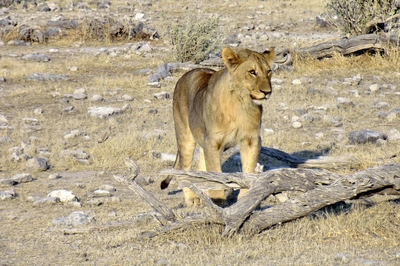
{"type": "Point", "coordinates": [253, 72]}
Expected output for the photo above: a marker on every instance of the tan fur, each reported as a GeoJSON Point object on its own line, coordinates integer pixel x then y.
{"type": "Point", "coordinates": [218, 110]}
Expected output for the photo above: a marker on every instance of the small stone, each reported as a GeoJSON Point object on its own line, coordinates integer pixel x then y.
{"type": "Point", "coordinates": [68, 109]}
{"type": "Point", "coordinates": [393, 135]}
{"type": "Point", "coordinates": [139, 16]}
{"type": "Point", "coordinates": [269, 131]}
{"type": "Point", "coordinates": [74, 219]}
{"type": "Point", "coordinates": [381, 105]}
{"type": "Point", "coordinates": [295, 118]}
{"type": "Point", "coordinates": [54, 176]}
{"type": "Point", "coordinates": [354, 93]}
{"type": "Point", "coordinates": [276, 81]}
{"type": "Point", "coordinates": [47, 200]}
{"type": "Point", "coordinates": [319, 135]}
{"type": "Point", "coordinates": [163, 262]}
{"type": "Point", "coordinates": [36, 57]}
{"type": "Point", "coordinates": [127, 97]}
{"type": "Point", "coordinates": [107, 188]}
{"type": "Point", "coordinates": [381, 142]}
{"type": "Point", "coordinates": [297, 124]}
{"type": "Point", "coordinates": [79, 96]}
{"type": "Point", "coordinates": [154, 84]}
{"type": "Point", "coordinates": [153, 111]}
{"type": "Point", "coordinates": [38, 111]}
{"type": "Point", "coordinates": [38, 164]}
{"type": "Point", "coordinates": [144, 180]}
{"type": "Point", "coordinates": [7, 182]}
{"type": "Point", "coordinates": [72, 68]}
{"type": "Point", "coordinates": [80, 91]}
{"type": "Point", "coordinates": [96, 98]}
{"type": "Point", "coordinates": [102, 193]}
{"type": "Point", "coordinates": [296, 82]}
{"type": "Point", "coordinates": [374, 87]}
{"type": "Point", "coordinates": [22, 178]}
{"type": "Point", "coordinates": [365, 136]}
{"type": "Point", "coordinates": [162, 95]}
{"type": "Point", "coordinates": [63, 195]}
{"type": "Point", "coordinates": [7, 194]}
{"type": "Point", "coordinates": [168, 157]}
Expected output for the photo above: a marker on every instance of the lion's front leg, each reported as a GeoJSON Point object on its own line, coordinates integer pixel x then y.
{"type": "Point", "coordinates": [249, 154]}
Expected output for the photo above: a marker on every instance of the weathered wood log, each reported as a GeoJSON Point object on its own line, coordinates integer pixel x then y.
{"type": "Point", "coordinates": [342, 189]}
{"type": "Point", "coordinates": [321, 188]}
{"type": "Point", "coordinates": [347, 46]}
{"type": "Point", "coordinates": [344, 46]}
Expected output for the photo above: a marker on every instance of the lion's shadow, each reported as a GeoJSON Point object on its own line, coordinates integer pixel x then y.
{"type": "Point", "coordinates": [268, 162]}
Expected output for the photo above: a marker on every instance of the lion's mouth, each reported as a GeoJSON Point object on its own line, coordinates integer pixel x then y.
{"type": "Point", "coordinates": [260, 100]}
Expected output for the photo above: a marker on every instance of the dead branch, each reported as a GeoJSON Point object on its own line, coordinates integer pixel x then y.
{"type": "Point", "coordinates": [346, 46]}
{"type": "Point", "coordinates": [321, 188]}
{"type": "Point", "coordinates": [166, 214]}
{"type": "Point", "coordinates": [342, 189]}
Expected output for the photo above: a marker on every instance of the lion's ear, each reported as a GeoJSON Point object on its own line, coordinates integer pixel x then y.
{"type": "Point", "coordinates": [231, 59]}
{"type": "Point", "coordinates": [269, 55]}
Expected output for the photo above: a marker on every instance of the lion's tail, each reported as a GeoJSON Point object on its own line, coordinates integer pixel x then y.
{"type": "Point", "coordinates": [166, 181]}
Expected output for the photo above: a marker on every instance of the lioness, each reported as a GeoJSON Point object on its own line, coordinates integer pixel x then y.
{"type": "Point", "coordinates": [218, 110]}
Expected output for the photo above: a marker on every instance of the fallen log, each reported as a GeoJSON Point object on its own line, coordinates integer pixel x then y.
{"type": "Point", "coordinates": [347, 46]}
{"type": "Point", "coordinates": [319, 188]}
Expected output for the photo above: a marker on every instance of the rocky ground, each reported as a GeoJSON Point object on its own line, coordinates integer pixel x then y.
{"type": "Point", "coordinates": [75, 102]}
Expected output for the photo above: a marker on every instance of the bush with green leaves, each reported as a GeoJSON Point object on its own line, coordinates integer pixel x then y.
{"type": "Point", "coordinates": [195, 40]}
{"type": "Point", "coordinates": [363, 16]}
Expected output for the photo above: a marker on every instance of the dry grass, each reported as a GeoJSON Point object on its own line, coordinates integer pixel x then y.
{"type": "Point", "coordinates": [366, 233]}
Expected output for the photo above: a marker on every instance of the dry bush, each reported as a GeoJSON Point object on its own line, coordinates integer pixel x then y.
{"type": "Point", "coordinates": [354, 16]}
{"type": "Point", "coordinates": [195, 40]}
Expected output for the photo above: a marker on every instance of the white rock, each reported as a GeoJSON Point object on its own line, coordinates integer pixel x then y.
{"type": "Point", "coordinates": [103, 112]}
{"type": "Point", "coordinates": [162, 95]}
{"type": "Point", "coordinates": [96, 98]}
{"type": "Point", "coordinates": [38, 164]}
{"type": "Point", "coordinates": [296, 124]}
{"type": "Point", "coordinates": [80, 91]}
{"type": "Point", "coordinates": [63, 195]}
{"type": "Point", "coordinates": [393, 135]}
{"type": "Point", "coordinates": [277, 81]}
{"type": "Point", "coordinates": [54, 176]}
{"type": "Point", "coordinates": [139, 16]}
{"type": "Point", "coordinates": [38, 111]}
{"type": "Point", "coordinates": [319, 135]}
{"type": "Point", "coordinates": [354, 93]}
{"type": "Point", "coordinates": [374, 87]}
{"type": "Point", "coordinates": [269, 131]}
{"type": "Point", "coordinates": [102, 193]}
{"type": "Point", "coordinates": [295, 118]}
{"type": "Point", "coordinates": [296, 82]}
{"type": "Point", "coordinates": [127, 97]}
{"type": "Point", "coordinates": [342, 100]}
{"type": "Point", "coordinates": [168, 157]}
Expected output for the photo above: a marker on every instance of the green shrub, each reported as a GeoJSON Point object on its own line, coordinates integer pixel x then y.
{"type": "Point", "coordinates": [362, 16]}
{"type": "Point", "coordinates": [195, 40]}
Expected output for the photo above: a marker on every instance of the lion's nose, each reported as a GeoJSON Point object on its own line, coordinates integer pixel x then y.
{"type": "Point", "coordinates": [267, 94]}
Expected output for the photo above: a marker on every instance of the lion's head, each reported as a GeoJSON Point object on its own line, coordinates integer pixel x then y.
{"type": "Point", "coordinates": [251, 72]}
